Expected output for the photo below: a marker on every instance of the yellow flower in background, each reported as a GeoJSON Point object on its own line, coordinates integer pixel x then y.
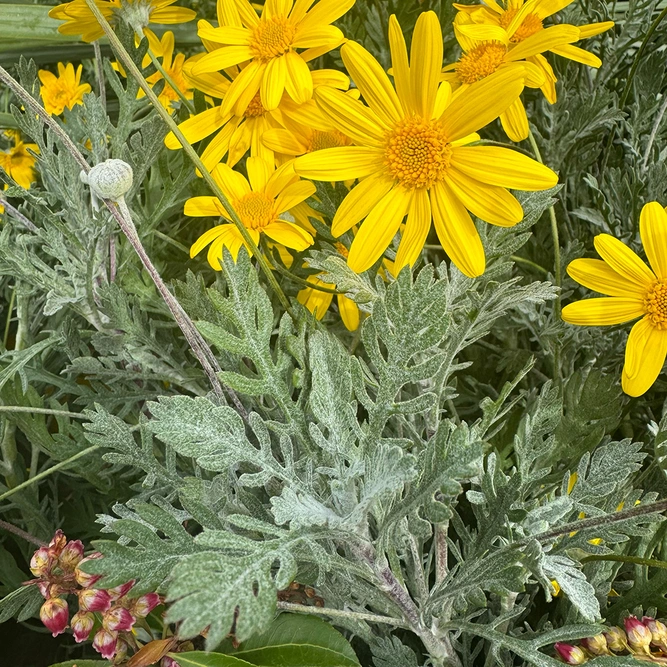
{"type": "Point", "coordinates": [634, 291]}
{"type": "Point", "coordinates": [64, 90]}
{"type": "Point", "coordinates": [164, 48]}
{"type": "Point", "coordinates": [17, 163]}
{"type": "Point", "coordinates": [318, 302]}
{"type": "Point", "coordinates": [521, 20]}
{"type": "Point", "coordinates": [483, 57]}
{"type": "Point", "coordinates": [270, 43]}
{"type": "Point", "coordinates": [240, 131]}
{"type": "Point", "coordinates": [79, 20]}
{"type": "Point", "coordinates": [411, 157]}
{"type": "Point", "coordinates": [262, 201]}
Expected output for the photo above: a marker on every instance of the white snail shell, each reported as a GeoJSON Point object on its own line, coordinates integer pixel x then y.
{"type": "Point", "coordinates": [110, 179]}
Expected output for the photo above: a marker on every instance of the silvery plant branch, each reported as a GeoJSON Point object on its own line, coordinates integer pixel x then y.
{"type": "Point", "coordinates": [110, 180]}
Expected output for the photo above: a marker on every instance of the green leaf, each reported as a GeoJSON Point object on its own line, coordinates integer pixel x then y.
{"type": "Point", "coordinates": [83, 663]}
{"type": "Point", "coordinates": [203, 659]}
{"type": "Point", "coordinates": [298, 641]}
{"type": "Point", "coordinates": [21, 603]}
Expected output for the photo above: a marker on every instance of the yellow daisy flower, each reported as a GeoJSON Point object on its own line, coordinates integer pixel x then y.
{"type": "Point", "coordinates": [79, 20]}
{"type": "Point", "coordinates": [270, 43]}
{"type": "Point", "coordinates": [263, 203]}
{"type": "Point", "coordinates": [18, 164]}
{"type": "Point", "coordinates": [243, 129]}
{"type": "Point", "coordinates": [64, 90]}
{"type": "Point", "coordinates": [522, 19]}
{"type": "Point", "coordinates": [483, 57]}
{"type": "Point", "coordinates": [411, 158]}
{"type": "Point", "coordinates": [173, 67]}
{"type": "Point", "coordinates": [635, 290]}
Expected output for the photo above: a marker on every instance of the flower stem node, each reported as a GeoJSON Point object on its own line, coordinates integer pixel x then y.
{"type": "Point", "coordinates": [110, 179]}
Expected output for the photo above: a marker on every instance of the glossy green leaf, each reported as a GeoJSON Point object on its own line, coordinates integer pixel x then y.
{"type": "Point", "coordinates": [83, 663]}
{"type": "Point", "coordinates": [203, 659]}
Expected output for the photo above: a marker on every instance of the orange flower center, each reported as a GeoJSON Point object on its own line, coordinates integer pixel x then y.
{"type": "Point", "coordinates": [656, 304]}
{"type": "Point", "coordinates": [417, 152]}
{"type": "Point", "coordinates": [481, 61]}
{"type": "Point", "coordinates": [342, 249]}
{"type": "Point", "coordinates": [333, 139]}
{"type": "Point", "coordinates": [255, 210]}
{"type": "Point", "coordinates": [272, 38]}
{"type": "Point", "coordinates": [255, 108]}
{"type": "Point", "coordinates": [529, 26]}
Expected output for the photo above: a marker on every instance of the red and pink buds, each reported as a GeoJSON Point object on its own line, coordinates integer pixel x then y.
{"type": "Point", "coordinates": [91, 599]}
{"type": "Point", "coordinates": [55, 614]}
{"type": "Point", "coordinates": [570, 654]}
{"type": "Point", "coordinates": [144, 605]}
{"type": "Point", "coordinates": [105, 642]}
{"type": "Point", "coordinates": [639, 636]}
{"type": "Point", "coordinates": [82, 624]}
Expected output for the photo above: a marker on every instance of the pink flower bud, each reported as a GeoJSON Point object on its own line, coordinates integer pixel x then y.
{"type": "Point", "coordinates": [57, 544]}
{"type": "Point", "coordinates": [55, 614]}
{"type": "Point", "coordinates": [570, 654]}
{"type": "Point", "coordinates": [616, 639]}
{"type": "Point", "coordinates": [639, 636]}
{"type": "Point", "coordinates": [144, 605]}
{"type": "Point", "coordinates": [41, 562]}
{"type": "Point", "coordinates": [168, 662]}
{"type": "Point", "coordinates": [82, 623]}
{"type": "Point", "coordinates": [71, 555]}
{"type": "Point", "coordinates": [82, 578]}
{"type": "Point", "coordinates": [658, 631]}
{"type": "Point", "coordinates": [118, 619]}
{"type": "Point", "coordinates": [118, 592]}
{"type": "Point", "coordinates": [596, 645]}
{"type": "Point", "coordinates": [105, 642]}
{"type": "Point", "coordinates": [122, 648]}
{"type": "Point", "coordinates": [92, 599]}
{"type": "Point", "coordinates": [44, 589]}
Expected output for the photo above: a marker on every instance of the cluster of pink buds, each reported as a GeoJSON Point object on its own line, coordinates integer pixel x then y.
{"type": "Point", "coordinates": [645, 639]}
{"type": "Point", "coordinates": [58, 572]}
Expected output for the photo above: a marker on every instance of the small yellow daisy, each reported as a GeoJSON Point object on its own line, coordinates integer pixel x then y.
{"type": "Point", "coordinates": [64, 90]}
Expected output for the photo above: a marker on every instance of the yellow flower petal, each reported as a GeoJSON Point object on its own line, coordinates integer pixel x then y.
{"type": "Point", "coordinates": [273, 82]}
{"type": "Point", "coordinates": [229, 35]}
{"type": "Point", "coordinates": [344, 163]}
{"type": "Point", "coordinates": [425, 63]}
{"type": "Point", "coordinates": [416, 230]}
{"type": "Point", "coordinates": [488, 202]}
{"type": "Point", "coordinates": [457, 232]}
{"type": "Point", "coordinates": [206, 238]}
{"type": "Point", "coordinates": [399, 60]}
{"type": "Point", "coordinates": [515, 121]}
{"type": "Point", "coordinates": [544, 40]}
{"type": "Point", "coordinates": [483, 101]}
{"type": "Point", "coordinates": [483, 32]}
{"type": "Point", "coordinates": [577, 54]}
{"type": "Point", "coordinates": [549, 85]}
{"type": "Point", "coordinates": [198, 127]}
{"type": "Point", "coordinates": [623, 260]}
{"type": "Point", "coordinates": [603, 311]}
{"type": "Point", "coordinates": [378, 229]}
{"type": "Point", "coordinates": [321, 36]}
{"type": "Point", "coordinates": [442, 99]}
{"type": "Point", "coordinates": [299, 10]}
{"type": "Point", "coordinates": [325, 12]}
{"type": "Point", "coordinates": [283, 141]}
{"type": "Point", "coordinates": [503, 167]}
{"type": "Point", "coordinates": [316, 301]}
{"type": "Point", "coordinates": [359, 202]}
{"type": "Point", "coordinates": [244, 88]}
{"type": "Point", "coordinates": [374, 84]}
{"type": "Point", "coordinates": [545, 8]}
{"type": "Point", "coordinates": [246, 11]}
{"type": "Point", "coordinates": [169, 15]}
{"type": "Point", "coordinates": [259, 172]}
{"type": "Point", "coordinates": [203, 207]}
{"type": "Point", "coordinates": [600, 277]}
{"type": "Point", "coordinates": [298, 82]}
{"type": "Point", "coordinates": [644, 357]}
{"type": "Point", "coordinates": [294, 194]}
{"type": "Point", "coordinates": [233, 184]}
{"type": "Point", "coordinates": [222, 58]}
{"type": "Point", "coordinates": [231, 239]}
{"type": "Point", "coordinates": [219, 145]}
{"type": "Point", "coordinates": [653, 231]}
{"type": "Point", "coordinates": [350, 116]}
{"type": "Point", "coordinates": [591, 29]}
{"type": "Point", "coordinates": [349, 312]}
{"type": "Point", "coordinates": [280, 179]}
{"type": "Point", "coordinates": [290, 235]}
{"type": "Point", "coordinates": [330, 77]}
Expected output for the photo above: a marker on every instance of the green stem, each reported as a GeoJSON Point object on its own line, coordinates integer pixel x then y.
{"type": "Point", "coordinates": [170, 82]}
{"type": "Point", "coordinates": [627, 559]}
{"type": "Point", "coordinates": [527, 262]}
{"type": "Point", "coordinates": [10, 310]}
{"type": "Point", "coordinates": [50, 471]}
{"type": "Point", "coordinates": [41, 411]}
{"type": "Point", "coordinates": [128, 63]}
{"type": "Point", "coordinates": [339, 613]}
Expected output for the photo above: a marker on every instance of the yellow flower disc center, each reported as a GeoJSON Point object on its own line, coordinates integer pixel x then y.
{"type": "Point", "coordinates": [255, 210]}
{"type": "Point", "coordinates": [656, 304]}
{"type": "Point", "coordinates": [529, 26]}
{"type": "Point", "coordinates": [255, 108]}
{"type": "Point", "coordinates": [342, 249]}
{"type": "Point", "coordinates": [481, 61]}
{"type": "Point", "coordinates": [320, 140]}
{"type": "Point", "coordinates": [272, 38]}
{"type": "Point", "coordinates": [417, 152]}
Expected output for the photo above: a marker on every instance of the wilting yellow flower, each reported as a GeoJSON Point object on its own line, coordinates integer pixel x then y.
{"type": "Point", "coordinates": [411, 157]}
{"type": "Point", "coordinates": [263, 204]}
{"type": "Point", "coordinates": [270, 42]}
{"type": "Point", "coordinates": [522, 19]}
{"type": "Point", "coordinates": [635, 290]}
{"type": "Point", "coordinates": [318, 302]}
{"type": "Point", "coordinates": [243, 129]}
{"type": "Point", "coordinates": [64, 90]}
{"type": "Point", "coordinates": [173, 67]}
{"type": "Point", "coordinates": [79, 20]}
{"type": "Point", "coordinates": [483, 57]}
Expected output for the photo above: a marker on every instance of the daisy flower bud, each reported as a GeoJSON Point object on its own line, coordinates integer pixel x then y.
{"type": "Point", "coordinates": [110, 179]}
{"type": "Point", "coordinates": [41, 562]}
{"type": "Point", "coordinates": [83, 578]}
{"type": "Point", "coordinates": [570, 654]}
{"type": "Point", "coordinates": [58, 542]}
{"type": "Point", "coordinates": [117, 592]}
{"type": "Point", "coordinates": [122, 648]}
{"type": "Point", "coordinates": [639, 636]}
{"type": "Point", "coordinates": [616, 639]}
{"type": "Point", "coordinates": [596, 645]}
{"type": "Point", "coordinates": [105, 643]}
{"type": "Point", "coordinates": [71, 555]}
{"type": "Point", "coordinates": [55, 614]}
{"type": "Point", "coordinates": [92, 599]}
{"type": "Point", "coordinates": [144, 605]}
{"type": "Point", "coordinates": [82, 623]}
{"type": "Point", "coordinates": [118, 619]}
